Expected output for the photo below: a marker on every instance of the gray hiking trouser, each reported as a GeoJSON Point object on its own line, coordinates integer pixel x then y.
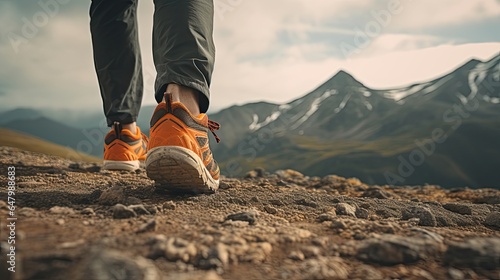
{"type": "Point", "coordinates": [183, 52]}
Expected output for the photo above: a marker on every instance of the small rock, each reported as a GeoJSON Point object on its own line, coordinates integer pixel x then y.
{"type": "Point", "coordinates": [362, 213]}
{"type": "Point", "coordinates": [61, 210]}
{"type": "Point", "coordinates": [289, 174]}
{"type": "Point", "coordinates": [425, 215]}
{"type": "Point", "coordinates": [488, 199]}
{"type": "Point", "coordinates": [169, 205]}
{"type": "Point", "coordinates": [3, 204]}
{"type": "Point", "coordinates": [74, 165]}
{"type": "Point", "coordinates": [296, 256]}
{"type": "Point", "coordinates": [328, 216]}
{"type": "Point", "coordinates": [149, 226]}
{"type": "Point", "coordinates": [112, 196]}
{"type": "Point", "coordinates": [194, 275]}
{"type": "Point", "coordinates": [87, 211]}
{"type": "Point", "coordinates": [376, 192]}
{"type": "Point", "coordinates": [339, 225]}
{"type": "Point", "coordinates": [139, 209]}
{"type": "Point", "coordinates": [455, 274]}
{"type": "Point", "coordinates": [323, 268]}
{"type": "Point", "coordinates": [179, 249]}
{"type": "Point", "coordinates": [218, 257]}
{"type": "Point", "coordinates": [346, 209]}
{"type": "Point", "coordinates": [392, 249]}
{"type": "Point", "coordinates": [458, 208]}
{"type": "Point", "coordinates": [475, 253]}
{"type": "Point", "coordinates": [254, 174]}
{"type": "Point", "coordinates": [60, 222]}
{"type": "Point", "coordinates": [104, 263]}
{"type": "Point", "coordinates": [271, 210]}
{"type": "Point", "coordinates": [256, 253]}
{"type": "Point", "coordinates": [493, 220]}
{"type": "Point", "coordinates": [121, 211]}
{"type": "Point", "coordinates": [311, 251]}
{"type": "Point", "coordinates": [131, 200]}
{"type": "Point", "coordinates": [307, 202]}
{"type": "Point", "coordinates": [71, 244]}
{"type": "Point", "coordinates": [250, 217]}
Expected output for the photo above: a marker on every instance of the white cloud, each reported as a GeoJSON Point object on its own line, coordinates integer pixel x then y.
{"type": "Point", "coordinates": [253, 62]}
{"type": "Point", "coordinates": [429, 13]}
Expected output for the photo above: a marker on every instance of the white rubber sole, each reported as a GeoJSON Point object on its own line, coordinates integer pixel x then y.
{"type": "Point", "coordinates": [121, 165]}
{"type": "Point", "coordinates": [179, 169]}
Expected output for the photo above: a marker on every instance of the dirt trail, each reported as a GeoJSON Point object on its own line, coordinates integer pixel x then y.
{"type": "Point", "coordinates": [78, 222]}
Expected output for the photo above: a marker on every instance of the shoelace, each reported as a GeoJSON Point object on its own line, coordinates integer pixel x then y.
{"type": "Point", "coordinates": [214, 126]}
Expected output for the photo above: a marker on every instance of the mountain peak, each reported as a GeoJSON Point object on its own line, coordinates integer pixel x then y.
{"type": "Point", "coordinates": [343, 74]}
{"type": "Point", "coordinates": [342, 77]}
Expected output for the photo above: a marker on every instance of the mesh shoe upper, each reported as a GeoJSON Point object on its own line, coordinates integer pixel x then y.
{"type": "Point", "coordinates": [173, 125]}
{"type": "Point", "coordinates": [123, 145]}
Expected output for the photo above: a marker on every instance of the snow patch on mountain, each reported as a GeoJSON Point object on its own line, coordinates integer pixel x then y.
{"type": "Point", "coordinates": [436, 85]}
{"type": "Point", "coordinates": [365, 92]}
{"type": "Point", "coordinates": [314, 107]}
{"type": "Point", "coordinates": [476, 76]}
{"type": "Point", "coordinates": [342, 104]}
{"type": "Point", "coordinates": [255, 125]}
{"type": "Point", "coordinates": [398, 94]}
{"type": "Point", "coordinates": [368, 105]}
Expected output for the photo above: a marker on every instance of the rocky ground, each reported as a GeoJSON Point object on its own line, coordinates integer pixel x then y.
{"type": "Point", "coordinates": [76, 221]}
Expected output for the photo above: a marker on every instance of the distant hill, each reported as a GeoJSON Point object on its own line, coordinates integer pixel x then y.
{"type": "Point", "coordinates": [89, 141]}
{"type": "Point", "coordinates": [380, 136]}
{"type": "Point", "coordinates": [29, 143]}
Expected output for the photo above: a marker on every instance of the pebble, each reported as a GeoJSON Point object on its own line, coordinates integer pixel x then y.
{"type": "Point", "coordinates": [346, 209]}
{"type": "Point", "coordinates": [131, 200]}
{"type": "Point", "coordinates": [455, 274]}
{"type": "Point", "coordinates": [148, 226]}
{"type": "Point", "coordinates": [328, 216]}
{"type": "Point", "coordinates": [458, 208]}
{"type": "Point", "coordinates": [324, 268]}
{"type": "Point", "coordinates": [112, 196]}
{"type": "Point", "coordinates": [139, 209]}
{"type": "Point", "coordinates": [250, 217]}
{"type": "Point", "coordinates": [376, 192]}
{"type": "Point", "coordinates": [195, 275]}
{"type": "Point", "coordinates": [271, 210]}
{"type": "Point", "coordinates": [426, 217]}
{"type": "Point", "coordinates": [218, 257]}
{"type": "Point", "coordinates": [296, 255]}
{"type": "Point", "coordinates": [392, 249]}
{"type": "Point", "coordinates": [257, 252]}
{"type": "Point", "coordinates": [121, 211]}
{"type": "Point", "coordinates": [178, 249]}
{"type": "Point", "coordinates": [493, 220]}
{"type": "Point", "coordinates": [311, 251]}
{"type": "Point", "coordinates": [60, 222]}
{"type": "Point", "coordinates": [169, 205]}
{"type": "Point", "coordinates": [289, 173]}
{"type": "Point", "coordinates": [87, 211]}
{"type": "Point", "coordinates": [362, 213]}
{"type": "Point", "coordinates": [105, 263]}
{"type": "Point", "coordinates": [61, 210]}
{"type": "Point", "coordinates": [479, 252]}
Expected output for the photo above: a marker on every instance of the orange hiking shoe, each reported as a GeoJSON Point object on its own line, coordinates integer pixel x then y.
{"type": "Point", "coordinates": [179, 155]}
{"type": "Point", "coordinates": [124, 150]}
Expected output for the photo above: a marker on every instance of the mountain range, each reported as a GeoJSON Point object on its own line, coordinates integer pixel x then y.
{"type": "Point", "coordinates": [445, 131]}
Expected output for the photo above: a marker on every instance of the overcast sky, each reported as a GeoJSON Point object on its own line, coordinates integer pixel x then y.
{"type": "Point", "coordinates": [266, 50]}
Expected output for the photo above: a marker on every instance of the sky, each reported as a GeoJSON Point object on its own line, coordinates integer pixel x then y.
{"type": "Point", "coordinates": [271, 51]}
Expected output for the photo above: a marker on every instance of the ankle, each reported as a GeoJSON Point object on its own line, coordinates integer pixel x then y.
{"type": "Point", "coordinates": [130, 126]}
{"type": "Point", "coordinates": [185, 95]}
